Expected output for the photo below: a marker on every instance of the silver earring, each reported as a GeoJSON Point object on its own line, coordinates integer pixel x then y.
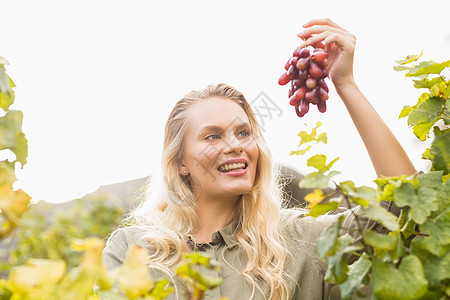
{"type": "Point", "coordinates": [184, 172]}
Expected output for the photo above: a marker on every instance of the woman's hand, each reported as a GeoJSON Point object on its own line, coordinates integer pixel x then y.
{"type": "Point", "coordinates": [387, 155]}
{"type": "Point", "coordinates": [340, 45]}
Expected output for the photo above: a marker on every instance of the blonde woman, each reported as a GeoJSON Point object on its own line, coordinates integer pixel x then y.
{"type": "Point", "coordinates": [219, 195]}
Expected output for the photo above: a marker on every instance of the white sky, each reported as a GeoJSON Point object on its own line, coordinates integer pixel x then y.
{"type": "Point", "coordinates": [97, 79]}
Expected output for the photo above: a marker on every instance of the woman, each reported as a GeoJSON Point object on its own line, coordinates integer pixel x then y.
{"type": "Point", "coordinates": [219, 195]}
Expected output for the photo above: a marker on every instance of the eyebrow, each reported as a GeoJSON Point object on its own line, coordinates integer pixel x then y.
{"type": "Point", "coordinates": [221, 129]}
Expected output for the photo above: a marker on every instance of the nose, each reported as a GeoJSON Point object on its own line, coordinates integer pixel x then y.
{"type": "Point", "coordinates": [233, 145]}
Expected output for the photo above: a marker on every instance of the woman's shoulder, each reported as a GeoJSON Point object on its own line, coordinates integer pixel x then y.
{"type": "Point", "coordinates": [296, 223]}
{"type": "Point", "coordinates": [127, 234]}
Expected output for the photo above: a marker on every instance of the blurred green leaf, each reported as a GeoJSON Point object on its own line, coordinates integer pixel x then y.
{"type": "Point", "coordinates": [400, 68]}
{"type": "Point", "coordinates": [13, 204]}
{"type": "Point", "coordinates": [6, 89]}
{"type": "Point", "coordinates": [426, 83]}
{"type": "Point", "coordinates": [422, 202]}
{"type": "Point", "coordinates": [382, 241]}
{"type": "Point", "coordinates": [11, 135]}
{"type": "Point", "coordinates": [323, 208]}
{"type": "Point", "coordinates": [337, 262]}
{"type": "Point", "coordinates": [406, 282]}
{"type": "Point", "coordinates": [317, 180]}
{"type": "Point", "coordinates": [436, 268]}
{"type": "Point", "coordinates": [382, 216]}
{"type": "Point", "coordinates": [163, 288]}
{"type": "Point", "coordinates": [356, 274]}
{"type": "Point", "coordinates": [327, 242]}
{"type": "Point", "coordinates": [438, 228]}
{"type": "Point", "coordinates": [301, 151]}
{"type": "Point", "coordinates": [440, 151]}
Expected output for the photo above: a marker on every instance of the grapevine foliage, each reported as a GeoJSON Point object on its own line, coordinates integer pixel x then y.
{"type": "Point", "coordinates": [411, 260]}
{"type": "Point", "coordinates": [13, 202]}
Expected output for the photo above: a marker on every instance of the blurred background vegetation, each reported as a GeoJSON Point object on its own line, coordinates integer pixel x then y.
{"type": "Point", "coordinates": [47, 229]}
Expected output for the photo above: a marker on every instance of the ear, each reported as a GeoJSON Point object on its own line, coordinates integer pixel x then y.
{"type": "Point", "coordinates": [182, 170]}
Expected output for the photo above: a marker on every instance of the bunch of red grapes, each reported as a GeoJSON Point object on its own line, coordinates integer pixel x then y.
{"type": "Point", "coordinates": [306, 71]}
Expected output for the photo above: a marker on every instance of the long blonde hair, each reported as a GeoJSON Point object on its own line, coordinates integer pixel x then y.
{"type": "Point", "coordinates": [171, 217]}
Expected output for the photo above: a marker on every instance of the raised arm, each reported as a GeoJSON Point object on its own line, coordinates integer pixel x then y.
{"type": "Point", "coordinates": [386, 153]}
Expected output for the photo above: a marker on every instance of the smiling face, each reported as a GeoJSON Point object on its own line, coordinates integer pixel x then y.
{"type": "Point", "coordinates": [220, 152]}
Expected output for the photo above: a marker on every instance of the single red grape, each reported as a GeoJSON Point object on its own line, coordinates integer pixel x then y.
{"type": "Point", "coordinates": [310, 83]}
{"type": "Point", "coordinates": [322, 94]}
{"type": "Point", "coordinates": [314, 70]}
{"type": "Point", "coordinates": [293, 100]}
{"type": "Point", "coordinates": [297, 111]}
{"type": "Point", "coordinates": [322, 106]}
{"type": "Point", "coordinates": [284, 79]}
{"type": "Point", "coordinates": [292, 72]}
{"type": "Point", "coordinates": [303, 63]}
{"type": "Point", "coordinates": [300, 92]}
{"type": "Point", "coordinates": [304, 53]}
{"type": "Point", "coordinates": [319, 56]}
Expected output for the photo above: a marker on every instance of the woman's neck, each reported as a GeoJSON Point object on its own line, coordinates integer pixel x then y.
{"type": "Point", "coordinates": [213, 214]}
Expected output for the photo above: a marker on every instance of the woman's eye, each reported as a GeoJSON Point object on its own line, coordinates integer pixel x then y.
{"type": "Point", "coordinates": [213, 137]}
{"type": "Point", "coordinates": [244, 133]}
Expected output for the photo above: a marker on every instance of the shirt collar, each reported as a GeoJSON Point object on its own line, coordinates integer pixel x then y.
{"type": "Point", "coordinates": [226, 234]}
{"type": "Point", "coordinates": [229, 232]}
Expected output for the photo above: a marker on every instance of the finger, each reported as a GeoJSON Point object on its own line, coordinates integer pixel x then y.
{"type": "Point", "coordinates": [320, 29]}
{"type": "Point", "coordinates": [328, 37]}
{"type": "Point", "coordinates": [323, 21]}
{"type": "Point", "coordinates": [314, 44]}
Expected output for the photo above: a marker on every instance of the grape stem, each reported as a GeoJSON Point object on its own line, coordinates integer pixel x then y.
{"type": "Point", "coordinates": [358, 223]}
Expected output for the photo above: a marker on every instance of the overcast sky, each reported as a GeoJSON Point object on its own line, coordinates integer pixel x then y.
{"type": "Point", "coordinates": [97, 79]}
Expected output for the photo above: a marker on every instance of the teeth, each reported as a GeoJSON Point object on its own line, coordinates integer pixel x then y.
{"type": "Point", "coordinates": [232, 166]}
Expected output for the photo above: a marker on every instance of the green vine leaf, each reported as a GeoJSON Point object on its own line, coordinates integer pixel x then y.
{"type": "Point", "coordinates": [326, 243]}
{"type": "Point", "coordinates": [409, 59]}
{"type": "Point", "coordinates": [162, 289]}
{"type": "Point", "coordinates": [323, 208]}
{"type": "Point", "coordinates": [381, 241]}
{"type": "Point", "coordinates": [438, 228]}
{"type": "Point", "coordinates": [317, 179]}
{"type": "Point", "coordinates": [382, 216]}
{"type": "Point", "coordinates": [424, 116]}
{"type": "Point", "coordinates": [356, 276]}
{"type": "Point", "coordinates": [427, 67]}
{"type": "Point", "coordinates": [337, 263]}
{"type": "Point", "coordinates": [406, 282]}
{"type": "Point", "coordinates": [306, 137]}
{"type": "Point", "coordinates": [11, 135]}
{"type": "Point", "coordinates": [440, 151]}
{"type": "Point", "coordinates": [319, 162]}
{"type": "Point", "coordinates": [422, 202]}
{"type": "Point", "coordinates": [436, 268]}
{"type": "Point", "coordinates": [6, 87]}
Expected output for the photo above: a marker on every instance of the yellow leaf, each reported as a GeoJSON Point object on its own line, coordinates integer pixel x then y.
{"type": "Point", "coordinates": [314, 198]}
{"type": "Point", "coordinates": [37, 273]}
{"type": "Point", "coordinates": [12, 206]}
{"type": "Point", "coordinates": [86, 244]}
{"type": "Point", "coordinates": [133, 277]}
